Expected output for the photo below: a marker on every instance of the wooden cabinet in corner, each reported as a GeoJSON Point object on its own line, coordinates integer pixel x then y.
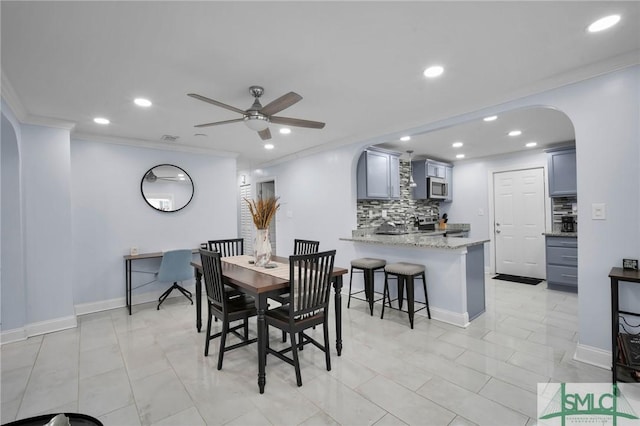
{"type": "Point", "coordinates": [562, 172]}
{"type": "Point", "coordinates": [378, 175]}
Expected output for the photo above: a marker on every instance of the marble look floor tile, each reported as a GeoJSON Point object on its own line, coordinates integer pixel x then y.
{"type": "Point", "coordinates": [190, 417]}
{"type": "Point", "coordinates": [13, 383]}
{"type": "Point", "coordinates": [390, 420]}
{"type": "Point", "coordinates": [48, 390]}
{"type": "Point", "coordinates": [341, 403]}
{"type": "Point", "coordinates": [9, 411]}
{"type": "Point", "coordinates": [104, 393]}
{"type": "Point", "coordinates": [470, 405]}
{"type": "Point", "coordinates": [464, 376]}
{"type": "Point", "coordinates": [283, 404]}
{"type": "Point", "coordinates": [522, 345]}
{"type": "Point", "coordinates": [511, 396]}
{"type": "Point", "coordinates": [20, 354]}
{"type": "Point", "coordinates": [100, 360]}
{"type": "Point", "coordinates": [160, 395]}
{"type": "Point", "coordinates": [124, 416]}
{"type": "Point", "coordinates": [318, 419]}
{"type": "Point", "coordinates": [461, 421]}
{"type": "Point", "coordinates": [351, 372]}
{"type": "Point", "coordinates": [504, 371]}
{"type": "Point", "coordinates": [480, 346]}
{"type": "Point", "coordinates": [255, 418]}
{"type": "Point", "coordinates": [404, 404]}
{"type": "Point", "coordinates": [141, 363]}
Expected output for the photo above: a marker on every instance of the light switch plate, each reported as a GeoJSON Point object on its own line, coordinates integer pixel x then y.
{"type": "Point", "coordinates": [598, 211]}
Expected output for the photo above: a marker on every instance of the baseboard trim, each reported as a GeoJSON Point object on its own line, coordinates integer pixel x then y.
{"type": "Point", "coordinates": [50, 326]}
{"type": "Point", "coordinates": [442, 315]}
{"type": "Point", "coordinates": [13, 335]}
{"type": "Point", "coordinates": [593, 356]}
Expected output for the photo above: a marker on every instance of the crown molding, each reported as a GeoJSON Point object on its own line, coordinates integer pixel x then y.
{"type": "Point", "coordinates": [11, 98]}
{"type": "Point", "coordinates": [141, 143]}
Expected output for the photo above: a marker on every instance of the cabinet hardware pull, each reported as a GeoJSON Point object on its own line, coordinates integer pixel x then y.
{"type": "Point", "coordinates": [569, 276]}
{"type": "Point", "coordinates": [570, 257]}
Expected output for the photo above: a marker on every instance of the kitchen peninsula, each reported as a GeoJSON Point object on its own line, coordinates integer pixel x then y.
{"type": "Point", "coordinates": [454, 269]}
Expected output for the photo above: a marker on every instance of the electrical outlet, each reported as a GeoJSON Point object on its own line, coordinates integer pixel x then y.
{"type": "Point", "coordinates": [134, 251]}
{"type": "Point", "coordinates": [480, 211]}
{"type": "Point", "coordinates": [598, 211]}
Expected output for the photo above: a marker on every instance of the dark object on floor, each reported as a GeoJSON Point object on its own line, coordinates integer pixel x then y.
{"type": "Point", "coordinates": [75, 419]}
{"type": "Point", "coordinates": [517, 279]}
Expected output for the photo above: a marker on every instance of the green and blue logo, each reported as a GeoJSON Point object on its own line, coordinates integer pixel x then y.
{"type": "Point", "coordinates": [586, 404]}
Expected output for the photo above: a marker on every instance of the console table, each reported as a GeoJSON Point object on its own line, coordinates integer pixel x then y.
{"type": "Point", "coordinates": [616, 275]}
{"type": "Point", "coordinates": [127, 270]}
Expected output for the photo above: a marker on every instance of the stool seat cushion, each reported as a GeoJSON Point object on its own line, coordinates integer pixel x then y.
{"type": "Point", "coordinates": [368, 263]}
{"type": "Point", "coordinates": [404, 268]}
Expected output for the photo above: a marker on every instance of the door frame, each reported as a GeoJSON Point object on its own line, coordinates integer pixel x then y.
{"type": "Point", "coordinates": [491, 202]}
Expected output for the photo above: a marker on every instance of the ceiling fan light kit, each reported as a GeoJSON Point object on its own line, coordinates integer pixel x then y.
{"type": "Point", "coordinates": [258, 117]}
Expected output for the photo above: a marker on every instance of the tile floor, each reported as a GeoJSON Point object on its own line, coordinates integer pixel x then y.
{"type": "Point", "coordinates": [149, 368]}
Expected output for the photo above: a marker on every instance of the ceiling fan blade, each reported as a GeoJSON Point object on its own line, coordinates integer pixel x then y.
{"type": "Point", "coordinates": [235, 120]}
{"type": "Point", "coordinates": [220, 104]}
{"type": "Point", "coordinates": [284, 101]}
{"type": "Point", "coordinates": [265, 134]}
{"type": "Point", "coordinates": [297, 122]}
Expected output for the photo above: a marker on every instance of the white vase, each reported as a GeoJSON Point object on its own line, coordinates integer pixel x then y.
{"type": "Point", "coordinates": [262, 248]}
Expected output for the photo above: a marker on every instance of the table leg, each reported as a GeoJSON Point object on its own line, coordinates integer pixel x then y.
{"type": "Point", "coordinates": [261, 306]}
{"type": "Point", "coordinates": [198, 276]}
{"type": "Point", "coordinates": [337, 286]}
{"type": "Point", "coordinates": [127, 281]}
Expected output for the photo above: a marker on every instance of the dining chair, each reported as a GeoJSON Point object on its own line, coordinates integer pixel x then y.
{"type": "Point", "coordinates": [226, 308]}
{"type": "Point", "coordinates": [227, 247]}
{"type": "Point", "coordinates": [310, 286]}
{"type": "Point", "coordinates": [305, 246]}
{"type": "Point", "coordinates": [175, 266]}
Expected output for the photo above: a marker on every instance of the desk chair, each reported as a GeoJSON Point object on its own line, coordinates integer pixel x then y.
{"type": "Point", "coordinates": [175, 266]}
{"type": "Point", "coordinates": [228, 247]}
{"type": "Point", "coordinates": [310, 278]}
{"type": "Point", "coordinates": [221, 306]}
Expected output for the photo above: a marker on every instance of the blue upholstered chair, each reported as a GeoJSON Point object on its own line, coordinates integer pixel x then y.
{"type": "Point", "coordinates": [175, 266]}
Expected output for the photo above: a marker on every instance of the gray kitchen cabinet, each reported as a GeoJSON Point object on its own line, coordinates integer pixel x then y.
{"type": "Point", "coordinates": [378, 175]}
{"type": "Point", "coordinates": [562, 172]}
{"type": "Point", "coordinates": [562, 263]}
{"type": "Point", "coordinates": [423, 169]}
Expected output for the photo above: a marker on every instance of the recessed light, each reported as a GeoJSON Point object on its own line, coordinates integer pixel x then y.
{"type": "Point", "coordinates": [268, 146]}
{"type": "Point", "coordinates": [515, 133]}
{"type": "Point", "coordinates": [491, 118]}
{"type": "Point", "coordinates": [460, 156]}
{"type": "Point", "coordinates": [457, 144]}
{"type": "Point", "coordinates": [405, 138]}
{"type": "Point", "coordinates": [531, 144]}
{"type": "Point", "coordinates": [433, 71]}
{"type": "Point", "coordinates": [101, 120]}
{"type": "Point", "coordinates": [285, 130]}
{"type": "Point", "coordinates": [603, 23]}
{"type": "Point", "coordinates": [142, 102]}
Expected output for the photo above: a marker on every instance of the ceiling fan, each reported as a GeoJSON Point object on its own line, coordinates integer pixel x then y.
{"type": "Point", "coordinates": [152, 177]}
{"type": "Point", "coordinates": [258, 117]}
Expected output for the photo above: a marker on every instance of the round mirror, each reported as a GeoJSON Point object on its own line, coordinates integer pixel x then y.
{"type": "Point", "coordinates": [167, 188]}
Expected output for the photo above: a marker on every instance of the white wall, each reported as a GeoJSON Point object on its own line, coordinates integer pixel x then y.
{"type": "Point", "coordinates": [110, 216]}
{"type": "Point", "coordinates": [319, 190]}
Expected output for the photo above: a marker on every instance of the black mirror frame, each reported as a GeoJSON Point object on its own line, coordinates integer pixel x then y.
{"type": "Point", "coordinates": [193, 188]}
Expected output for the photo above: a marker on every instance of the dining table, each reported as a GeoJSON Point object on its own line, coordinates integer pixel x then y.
{"type": "Point", "coordinates": [262, 283]}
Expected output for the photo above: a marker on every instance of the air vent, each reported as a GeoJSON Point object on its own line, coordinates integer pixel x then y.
{"type": "Point", "coordinates": [169, 138]}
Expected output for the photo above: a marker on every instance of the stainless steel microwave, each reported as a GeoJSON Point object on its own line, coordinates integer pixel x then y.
{"type": "Point", "coordinates": [437, 188]}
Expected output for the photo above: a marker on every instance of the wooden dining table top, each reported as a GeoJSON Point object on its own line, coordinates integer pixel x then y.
{"type": "Point", "coordinates": [256, 282]}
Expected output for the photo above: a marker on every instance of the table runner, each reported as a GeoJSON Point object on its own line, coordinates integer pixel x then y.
{"type": "Point", "coordinates": [280, 271]}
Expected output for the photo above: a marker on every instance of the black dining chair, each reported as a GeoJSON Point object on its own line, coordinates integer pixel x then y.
{"type": "Point", "coordinates": [227, 247]}
{"type": "Point", "coordinates": [310, 286]}
{"type": "Point", "coordinates": [227, 309]}
{"type": "Point", "coordinates": [305, 246]}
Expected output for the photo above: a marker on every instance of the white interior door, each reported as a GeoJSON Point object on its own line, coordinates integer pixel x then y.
{"type": "Point", "coordinates": [519, 204]}
{"type": "Point", "coordinates": [265, 190]}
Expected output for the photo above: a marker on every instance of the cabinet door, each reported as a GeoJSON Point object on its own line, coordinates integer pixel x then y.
{"type": "Point", "coordinates": [377, 174]}
{"type": "Point", "coordinates": [562, 173]}
{"type": "Point", "coordinates": [448, 177]}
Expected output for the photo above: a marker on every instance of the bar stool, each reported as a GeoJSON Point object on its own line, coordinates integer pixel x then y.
{"type": "Point", "coordinates": [405, 273]}
{"type": "Point", "coordinates": [368, 266]}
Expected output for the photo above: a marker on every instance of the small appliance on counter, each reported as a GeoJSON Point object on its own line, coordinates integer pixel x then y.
{"type": "Point", "coordinates": [568, 223]}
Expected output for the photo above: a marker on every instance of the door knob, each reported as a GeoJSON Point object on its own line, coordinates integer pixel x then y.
{"type": "Point", "coordinates": [497, 224]}
{"type": "Point", "coordinates": [497, 231]}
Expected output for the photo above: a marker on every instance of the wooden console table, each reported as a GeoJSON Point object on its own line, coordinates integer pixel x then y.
{"type": "Point", "coordinates": [616, 275]}
{"type": "Point", "coordinates": [127, 271]}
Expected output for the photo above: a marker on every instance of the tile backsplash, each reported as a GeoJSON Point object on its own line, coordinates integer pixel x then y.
{"type": "Point", "coordinates": [400, 211]}
{"type": "Point", "coordinates": [561, 206]}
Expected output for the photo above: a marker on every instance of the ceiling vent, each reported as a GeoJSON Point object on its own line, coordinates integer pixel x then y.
{"type": "Point", "coordinates": [169, 138]}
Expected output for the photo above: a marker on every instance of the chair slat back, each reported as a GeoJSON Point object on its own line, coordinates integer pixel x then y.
{"type": "Point", "coordinates": [228, 247]}
{"type": "Point", "coordinates": [305, 246]}
{"type": "Point", "coordinates": [175, 266]}
{"type": "Point", "coordinates": [212, 274]}
{"type": "Point", "coordinates": [310, 278]}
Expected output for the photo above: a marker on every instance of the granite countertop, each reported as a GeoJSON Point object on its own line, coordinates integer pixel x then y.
{"type": "Point", "coordinates": [417, 239]}
{"type": "Point", "coordinates": [560, 234]}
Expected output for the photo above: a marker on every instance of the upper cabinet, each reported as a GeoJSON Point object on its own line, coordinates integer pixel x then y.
{"type": "Point", "coordinates": [378, 175]}
{"type": "Point", "coordinates": [562, 172]}
{"type": "Point", "coordinates": [424, 169]}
